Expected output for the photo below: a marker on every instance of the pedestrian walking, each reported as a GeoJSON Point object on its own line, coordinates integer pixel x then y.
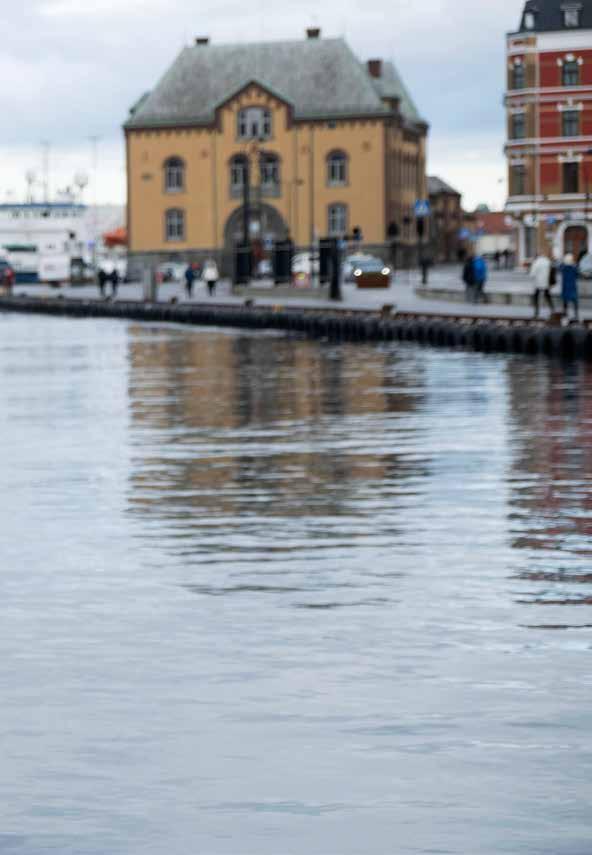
{"type": "Point", "coordinates": [210, 275]}
{"type": "Point", "coordinates": [189, 280]}
{"type": "Point", "coordinates": [569, 285]}
{"type": "Point", "coordinates": [114, 278]}
{"type": "Point", "coordinates": [102, 280]}
{"type": "Point", "coordinates": [468, 275]}
{"type": "Point", "coordinates": [480, 274]}
{"type": "Point", "coordinates": [498, 259]}
{"type": "Point", "coordinates": [544, 274]}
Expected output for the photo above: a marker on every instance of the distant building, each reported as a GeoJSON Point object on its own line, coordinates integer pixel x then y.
{"type": "Point", "coordinates": [266, 141]}
{"type": "Point", "coordinates": [495, 233]}
{"type": "Point", "coordinates": [549, 113]}
{"type": "Point", "coordinates": [446, 221]}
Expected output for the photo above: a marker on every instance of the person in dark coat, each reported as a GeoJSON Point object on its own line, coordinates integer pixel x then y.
{"type": "Point", "coordinates": [114, 277]}
{"type": "Point", "coordinates": [468, 276]}
{"type": "Point", "coordinates": [189, 280]}
{"type": "Point", "coordinates": [102, 277]}
{"type": "Point", "coordinates": [569, 285]}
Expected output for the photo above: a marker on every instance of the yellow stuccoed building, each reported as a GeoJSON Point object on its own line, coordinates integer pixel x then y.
{"type": "Point", "coordinates": [314, 142]}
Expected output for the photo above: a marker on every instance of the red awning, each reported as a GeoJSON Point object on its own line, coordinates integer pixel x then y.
{"type": "Point", "coordinates": [118, 237]}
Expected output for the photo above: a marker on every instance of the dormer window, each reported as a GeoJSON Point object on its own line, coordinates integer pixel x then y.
{"type": "Point", "coordinates": [571, 16]}
{"type": "Point", "coordinates": [254, 123]}
{"type": "Point", "coordinates": [529, 20]}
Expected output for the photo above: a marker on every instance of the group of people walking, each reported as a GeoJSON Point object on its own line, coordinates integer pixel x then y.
{"type": "Point", "coordinates": [475, 278]}
{"type": "Point", "coordinates": [209, 274]}
{"type": "Point", "coordinates": [544, 271]}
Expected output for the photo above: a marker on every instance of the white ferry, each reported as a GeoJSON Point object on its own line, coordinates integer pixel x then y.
{"type": "Point", "coordinates": [44, 241]}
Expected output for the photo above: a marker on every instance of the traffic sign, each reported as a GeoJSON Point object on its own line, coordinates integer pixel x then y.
{"type": "Point", "coordinates": [422, 208]}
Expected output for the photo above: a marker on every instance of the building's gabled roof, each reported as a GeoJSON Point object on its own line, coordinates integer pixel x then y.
{"type": "Point", "coordinates": [436, 186]}
{"type": "Point", "coordinates": [317, 77]}
{"type": "Point", "coordinates": [549, 15]}
{"type": "Point", "coordinates": [390, 85]}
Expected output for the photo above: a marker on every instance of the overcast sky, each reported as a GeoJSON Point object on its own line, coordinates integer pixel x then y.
{"type": "Point", "coordinates": [70, 70]}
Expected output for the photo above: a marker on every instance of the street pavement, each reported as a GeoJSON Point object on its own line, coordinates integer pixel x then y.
{"type": "Point", "coordinates": [402, 294]}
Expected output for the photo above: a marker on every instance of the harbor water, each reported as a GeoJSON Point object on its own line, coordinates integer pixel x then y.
{"type": "Point", "coordinates": [267, 596]}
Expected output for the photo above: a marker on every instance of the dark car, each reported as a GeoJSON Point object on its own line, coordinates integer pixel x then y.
{"type": "Point", "coordinates": [370, 272]}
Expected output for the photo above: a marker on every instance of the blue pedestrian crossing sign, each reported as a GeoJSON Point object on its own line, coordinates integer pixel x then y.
{"type": "Point", "coordinates": [422, 209]}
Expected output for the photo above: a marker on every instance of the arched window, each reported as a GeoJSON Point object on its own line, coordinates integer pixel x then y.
{"type": "Point", "coordinates": [337, 169]}
{"type": "Point", "coordinates": [270, 174]}
{"type": "Point", "coordinates": [254, 123]}
{"type": "Point", "coordinates": [337, 220]}
{"type": "Point", "coordinates": [238, 175]}
{"type": "Point", "coordinates": [174, 175]}
{"type": "Point", "coordinates": [174, 225]}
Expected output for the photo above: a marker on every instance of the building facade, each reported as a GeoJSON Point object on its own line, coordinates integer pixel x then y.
{"type": "Point", "coordinates": [446, 220]}
{"type": "Point", "coordinates": [291, 139]}
{"type": "Point", "coordinates": [549, 127]}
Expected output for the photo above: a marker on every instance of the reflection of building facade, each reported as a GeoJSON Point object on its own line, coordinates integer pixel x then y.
{"type": "Point", "coordinates": [323, 142]}
{"type": "Point", "coordinates": [260, 409]}
{"type": "Point", "coordinates": [549, 107]}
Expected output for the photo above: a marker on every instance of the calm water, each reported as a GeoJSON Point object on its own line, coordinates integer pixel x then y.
{"type": "Point", "coordinates": [266, 597]}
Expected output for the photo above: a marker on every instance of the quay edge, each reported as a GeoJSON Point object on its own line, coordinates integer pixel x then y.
{"type": "Point", "coordinates": [485, 335]}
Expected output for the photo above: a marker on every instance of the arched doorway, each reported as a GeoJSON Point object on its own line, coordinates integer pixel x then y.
{"type": "Point", "coordinates": [266, 225]}
{"type": "Point", "coordinates": [575, 240]}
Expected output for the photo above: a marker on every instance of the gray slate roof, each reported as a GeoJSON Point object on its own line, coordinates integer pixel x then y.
{"type": "Point", "coordinates": [318, 77]}
{"type": "Point", "coordinates": [390, 85]}
{"type": "Point", "coordinates": [549, 14]}
{"type": "Point", "coordinates": [436, 186]}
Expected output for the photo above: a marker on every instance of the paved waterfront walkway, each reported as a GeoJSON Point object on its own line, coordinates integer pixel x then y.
{"type": "Point", "coordinates": [509, 292]}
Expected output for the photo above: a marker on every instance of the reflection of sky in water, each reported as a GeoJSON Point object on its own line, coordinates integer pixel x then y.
{"type": "Point", "coordinates": [264, 595]}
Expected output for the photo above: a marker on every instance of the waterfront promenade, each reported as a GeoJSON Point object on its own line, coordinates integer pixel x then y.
{"type": "Point", "coordinates": [508, 292]}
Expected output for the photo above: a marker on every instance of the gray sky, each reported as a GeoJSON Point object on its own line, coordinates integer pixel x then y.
{"type": "Point", "coordinates": [70, 69]}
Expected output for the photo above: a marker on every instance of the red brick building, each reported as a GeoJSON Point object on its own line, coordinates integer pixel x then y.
{"type": "Point", "coordinates": [549, 137]}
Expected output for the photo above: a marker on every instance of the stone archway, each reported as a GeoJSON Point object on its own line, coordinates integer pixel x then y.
{"type": "Point", "coordinates": [572, 236]}
{"type": "Point", "coordinates": [266, 226]}
{"type": "Point", "coordinates": [575, 240]}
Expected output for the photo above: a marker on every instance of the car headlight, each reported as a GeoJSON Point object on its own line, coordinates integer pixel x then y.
{"type": "Point", "coordinates": [386, 271]}
{"type": "Point", "coordinates": [357, 272]}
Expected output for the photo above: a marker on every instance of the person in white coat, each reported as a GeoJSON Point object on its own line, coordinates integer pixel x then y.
{"type": "Point", "coordinates": [544, 275]}
{"type": "Point", "coordinates": [210, 275]}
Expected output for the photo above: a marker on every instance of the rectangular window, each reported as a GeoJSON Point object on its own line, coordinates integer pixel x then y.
{"type": "Point", "coordinates": [337, 220]}
{"type": "Point", "coordinates": [175, 225]}
{"type": "Point", "coordinates": [518, 126]}
{"type": "Point", "coordinates": [518, 77]}
{"type": "Point", "coordinates": [571, 73]}
{"type": "Point", "coordinates": [571, 123]}
{"type": "Point", "coordinates": [571, 178]}
{"type": "Point", "coordinates": [518, 181]}
{"type": "Point", "coordinates": [571, 17]}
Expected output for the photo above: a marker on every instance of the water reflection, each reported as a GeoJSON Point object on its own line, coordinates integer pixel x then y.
{"type": "Point", "coordinates": [551, 482]}
{"type": "Point", "coordinates": [259, 452]}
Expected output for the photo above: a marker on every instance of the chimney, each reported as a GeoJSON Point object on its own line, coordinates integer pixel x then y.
{"type": "Point", "coordinates": [313, 33]}
{"type": "Point", "coordinates": [202, 40]}
{"type": "Point", "coordinates": [375, 68]}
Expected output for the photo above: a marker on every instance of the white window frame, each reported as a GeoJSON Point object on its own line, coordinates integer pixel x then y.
{"type": "Point", "coordinates": [174, 225]}
{"type": "Point", "coordinates": [174, 175]}
{"type": "Point", "coordinates": [254, 123]}
{"type": "Point", "coordinates": [337, 219]}
{"type": "Point", "coordinates": [337, 169]}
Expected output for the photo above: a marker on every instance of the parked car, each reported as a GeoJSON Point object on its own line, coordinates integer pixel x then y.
{"type": "Point", "coordinates": [370, 272]}
{"type": "Point", "coordinates": [351, 263]}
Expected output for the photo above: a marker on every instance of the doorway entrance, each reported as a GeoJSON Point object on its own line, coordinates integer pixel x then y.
{"type": "Point", "coordinates": [575, 241]}
{"type": "Point", "coordinates": [266, 226]}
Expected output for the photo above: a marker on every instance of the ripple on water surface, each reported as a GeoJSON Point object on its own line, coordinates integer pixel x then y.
{"type": "Point", "coordinates": [265, 595]}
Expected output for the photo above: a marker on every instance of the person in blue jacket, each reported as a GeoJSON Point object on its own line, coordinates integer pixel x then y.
{"type": "Point", "coordinates": [569, 285]}
{"type": "Point", "coordinates": [480, 277]}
